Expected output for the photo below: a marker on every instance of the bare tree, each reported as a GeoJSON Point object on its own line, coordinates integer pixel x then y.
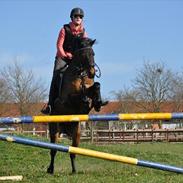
{"type": "Point", "coordinates": [4, 92]}
{"type": "Point", "coordinates": [153, 85]}
{"type": "Point", "coordinates": [176, 95]}
{"type": "Point", "coordinates": [127, 104]}
{"type": "Point", "coordinates": [127, 99]}
{"type": "Point", "coordinates": [4, 96]}
{"type": "Point", "coordinates": [22, 86]}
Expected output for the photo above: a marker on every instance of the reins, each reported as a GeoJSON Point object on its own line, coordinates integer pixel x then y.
{"type": "Point", "coordinates": [97, 70]}
{"type": "Point", "coordinates": [94, 65]}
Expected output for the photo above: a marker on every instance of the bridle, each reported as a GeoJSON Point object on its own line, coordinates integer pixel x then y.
{"type": "Point", "coordinates": [97, 69]}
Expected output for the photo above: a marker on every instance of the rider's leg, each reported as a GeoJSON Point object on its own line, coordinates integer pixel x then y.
{"type": "Point", "coordinates": [54, 88]}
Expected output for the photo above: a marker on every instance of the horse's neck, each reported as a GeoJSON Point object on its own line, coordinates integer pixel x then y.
{"type": "Point", "coordinates": [75, 62]}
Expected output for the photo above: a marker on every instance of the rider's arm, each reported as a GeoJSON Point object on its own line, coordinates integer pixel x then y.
{"type": "Point", "coordinates": [60, 43]}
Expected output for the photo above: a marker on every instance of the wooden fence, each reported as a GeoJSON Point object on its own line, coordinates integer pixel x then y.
{"type": "Point", "coordinates": [147, 135]}
{"type": "Point", "coordinates": [120, 136]}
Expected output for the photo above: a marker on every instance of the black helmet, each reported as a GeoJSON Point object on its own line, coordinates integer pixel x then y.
{"type": "Point", "coordinates": [77, 11]}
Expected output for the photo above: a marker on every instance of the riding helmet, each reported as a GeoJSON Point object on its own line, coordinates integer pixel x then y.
{"type": "Point", "coordinates": [76, 11]}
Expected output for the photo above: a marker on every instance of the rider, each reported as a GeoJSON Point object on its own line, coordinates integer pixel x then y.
{"type": "Point", "coordinates": [64, 52]}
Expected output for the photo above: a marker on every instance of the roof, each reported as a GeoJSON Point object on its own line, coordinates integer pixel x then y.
{"type": "Point", "coordinates": [111, 107]}
{"type": "Point", "coordinates": [12, 109]}
{"type": "Point", "coordinates": [137, 107]}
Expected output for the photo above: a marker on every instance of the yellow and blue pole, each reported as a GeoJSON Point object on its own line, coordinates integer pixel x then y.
{"type": "Point", "coordinates": [94, 117]}
{"type": "Point", "coordinates": [91, 153]}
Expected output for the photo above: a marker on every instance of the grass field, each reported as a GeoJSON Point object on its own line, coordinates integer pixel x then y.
{"type": "Point", "coordinates": [32, 162]}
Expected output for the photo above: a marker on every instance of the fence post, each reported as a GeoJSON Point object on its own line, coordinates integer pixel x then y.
{"type": "Point", "coordinates": [47, 133]}
{"type": "Point", "coordinates": [123, 135]}
{"type": "Point", "coordinates": [152, 135]}
{"type": "Point", "coordinates": [34, 131]}
{"type": "Point", "coordinates": [91, 132]}
{"type": "Point", "coordinates": [167, 135]}
{"type": "Point", "coordinates": [137, 136]}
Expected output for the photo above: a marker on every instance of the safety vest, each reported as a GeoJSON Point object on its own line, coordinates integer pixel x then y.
{"type": "Point", "coordinates": [69, 38]}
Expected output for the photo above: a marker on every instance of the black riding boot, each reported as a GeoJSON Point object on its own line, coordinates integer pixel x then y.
{"type": "Point", "coordinates": [54, 88]}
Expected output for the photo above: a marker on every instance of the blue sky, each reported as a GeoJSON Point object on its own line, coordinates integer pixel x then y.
{"type": "Point", "coordinates": [128, 33]}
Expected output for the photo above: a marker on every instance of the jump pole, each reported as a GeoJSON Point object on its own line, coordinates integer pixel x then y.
{"type": "Point", "coordinates": [94, 117]}
{"type": "Point", "coordinates": [13, 178]}
{"type": "Point", "coordinates": [91, 153]}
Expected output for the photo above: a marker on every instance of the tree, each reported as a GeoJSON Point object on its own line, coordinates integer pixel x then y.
{"type": "Point", "coordinates": [4, 92]}
{"type": "Point", "coordinates": [4, 96]}
{"type": "Point", "coordinates": [127, 104]}
{"type": "Point", "coordinates": [153, 85]}
{"type": "Point", "coordinates": [22, 86]}
{"type": "Point", "coordinates": [176, 95]}
{"type": "Point", "coordinates": [127, 99]}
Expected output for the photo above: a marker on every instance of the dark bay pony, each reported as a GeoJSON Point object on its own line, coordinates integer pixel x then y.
{"type": "Point", "coordinates": [79, 94]}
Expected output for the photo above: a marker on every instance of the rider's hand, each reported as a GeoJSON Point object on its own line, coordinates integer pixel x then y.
{"type": "Point", "coordinates": [69, 55]}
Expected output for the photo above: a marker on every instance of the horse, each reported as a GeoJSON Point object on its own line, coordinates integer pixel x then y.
{"type": "Point", "coordinates": [78, 95]}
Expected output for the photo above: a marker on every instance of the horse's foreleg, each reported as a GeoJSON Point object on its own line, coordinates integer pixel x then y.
{"type": "Point", "coordinates": [94, 93]}
{"type": "Point", "coordinates": [75, 143]}
{"type": "Point", "coordinates": [53, 139]}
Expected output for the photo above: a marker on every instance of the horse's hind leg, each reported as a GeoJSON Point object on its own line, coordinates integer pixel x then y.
{"type": "Point", "coordinates": [75, 143]}
{"type": "Point", "coordinates": [53, 139]}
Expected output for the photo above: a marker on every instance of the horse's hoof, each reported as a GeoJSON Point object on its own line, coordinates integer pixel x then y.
{"type": "Point", "coordinates": [99, 104]}
{"type": "Point", "coordinates": [103, 103]}
{"type": "Point", "coordinates": [73, 172]}
{"type": "Point", "coordinates": [50, 170]}
{"type": "Point", "coordinates": [97, 109]}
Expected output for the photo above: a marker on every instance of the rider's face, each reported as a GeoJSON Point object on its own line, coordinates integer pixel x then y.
{"type": "Point", "coordinates": [77, 19]}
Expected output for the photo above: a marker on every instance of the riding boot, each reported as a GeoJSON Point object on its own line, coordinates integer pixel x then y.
{"type": "Point", "coordinates": [53, 94]}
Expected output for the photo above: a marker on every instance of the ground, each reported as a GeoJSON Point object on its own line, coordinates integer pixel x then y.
{"type": "Point", "coordinates": [32, 163]}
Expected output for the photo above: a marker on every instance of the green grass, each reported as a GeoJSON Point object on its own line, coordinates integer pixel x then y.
{"type": "Point", "coordinates": [32, 162]}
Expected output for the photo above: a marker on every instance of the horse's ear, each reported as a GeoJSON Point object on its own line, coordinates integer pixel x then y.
{"type": "Point", "coordinates": [92, 42]}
